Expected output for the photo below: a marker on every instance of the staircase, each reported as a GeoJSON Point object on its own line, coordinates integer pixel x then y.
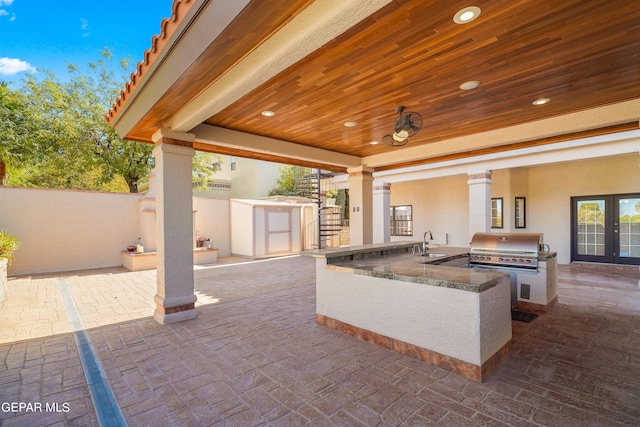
{"type": "Point", "coordinates": [314, 184]}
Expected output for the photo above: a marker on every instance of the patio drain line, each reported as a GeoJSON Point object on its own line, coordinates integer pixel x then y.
{"type": "Point", "coordinates": [107, 409]}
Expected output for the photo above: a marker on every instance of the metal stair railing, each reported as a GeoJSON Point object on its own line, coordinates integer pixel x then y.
{"type": "Point", "coordinates": [314, 184]}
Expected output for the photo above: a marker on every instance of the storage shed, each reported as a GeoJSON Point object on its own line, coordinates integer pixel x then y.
{"type": "Point", "coordinates": [263, 228]}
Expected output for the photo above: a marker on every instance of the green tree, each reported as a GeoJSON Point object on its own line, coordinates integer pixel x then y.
{"type": "Point", "coordinates": [68, 141]}
{"type": "Point", "coordinates": [204, 166]}
{"type": "Point", "coordinates": [53, 133]}
{"type": "Point", "coordinates": [285, 183]}
{"type": "Point", "coordinates": [12, 127]}
{"type": "Point", "coordinates": [590, 213]}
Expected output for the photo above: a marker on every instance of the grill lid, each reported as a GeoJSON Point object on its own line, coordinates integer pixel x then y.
{"type": "Point", "coordinates": [507, 242]}
{"type": "Point", "coordinates": [506, 249]}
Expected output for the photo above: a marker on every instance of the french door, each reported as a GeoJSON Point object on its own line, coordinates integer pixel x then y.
{"type": "Point", "coordinates": [606, 228]}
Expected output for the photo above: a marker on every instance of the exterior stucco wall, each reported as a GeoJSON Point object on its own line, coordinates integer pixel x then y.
{"type": "Point", "coordinates": [62, 230]}
{"type": "Point", "coordinates": [3, 280]}
{"type": "Point", "coordinates": [242, 229]}
{"type": "Point", "coordinates": [65, 230]}
{"type": "Point", "coordinates": [552, 186]}
{"type": "Point", "coordinates": [212, 220]}
{"type": "Point", "coordinates": [441, 204]}
{"type": "Point", "coordinates": [253, 179]}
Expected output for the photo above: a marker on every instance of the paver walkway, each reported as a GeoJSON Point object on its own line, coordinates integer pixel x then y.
{"type": "Point", "coordinates": [254, 356]}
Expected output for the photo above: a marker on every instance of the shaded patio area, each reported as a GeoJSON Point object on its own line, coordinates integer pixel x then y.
{"type": "Point", "coordinates": [255, 356]}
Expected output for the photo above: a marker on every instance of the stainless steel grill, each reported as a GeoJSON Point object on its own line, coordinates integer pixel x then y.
{"type": "Point", "coordinates": [505, 250]}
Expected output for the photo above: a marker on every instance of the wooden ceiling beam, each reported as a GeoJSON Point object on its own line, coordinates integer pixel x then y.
{"type": "Point", "coordinates": [228, 141]}
{"type": "Point", "coordinates": [622, 127]}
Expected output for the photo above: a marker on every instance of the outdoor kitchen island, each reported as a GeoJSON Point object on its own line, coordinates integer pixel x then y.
{"type": "Point", "coordinates": [458, 319]}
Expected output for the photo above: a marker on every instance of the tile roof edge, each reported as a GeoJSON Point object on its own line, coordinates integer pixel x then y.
{"type": "Point", "coordinates": [167, 27]}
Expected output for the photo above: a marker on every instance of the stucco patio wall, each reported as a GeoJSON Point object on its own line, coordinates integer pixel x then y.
{"type": "Point", "coordinates": [66, 230]}
{"type": "Point", "coordinates": [3, 280]}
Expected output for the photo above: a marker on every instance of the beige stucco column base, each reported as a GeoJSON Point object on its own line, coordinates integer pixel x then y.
{"type": "Point", "coordinates": [171, 310]}
{"type": "Point", "coordinates": [175, 298]}
{"type": "Point", "coordinates": [361, 204]}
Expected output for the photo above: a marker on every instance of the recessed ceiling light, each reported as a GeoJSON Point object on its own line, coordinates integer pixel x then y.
{"type": "Point", "coordinates": [374, 142]}
{"type": "Point", "coordinates": [472, 84]}
{"type": "Point", "coordinates": [268, 113]}
{"type": "Point", "coordinates": [466, 15]}
{"type": "Point", "coordinates": [541, 101]}
{"type": "Point", "coordinates": [350, 124]}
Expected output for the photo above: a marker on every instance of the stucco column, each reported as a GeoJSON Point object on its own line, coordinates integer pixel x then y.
{"type": "Point", "coordinates": [175, 298]}
{"type": "Point", "coordinates": [479, 202]}
{"type": "Point", "coordinates": [381, 208]}
{"type": "Point", "coordinates": [361, 204]}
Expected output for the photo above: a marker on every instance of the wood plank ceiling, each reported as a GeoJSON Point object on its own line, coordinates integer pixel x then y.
{"type": "Point", "coordinates": [578, 53]}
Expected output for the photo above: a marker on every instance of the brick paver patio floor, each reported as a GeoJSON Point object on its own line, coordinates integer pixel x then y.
{"type": "Point", "coordinates": [254, 356]}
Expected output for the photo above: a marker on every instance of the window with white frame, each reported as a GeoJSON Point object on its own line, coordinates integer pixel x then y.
{"type": "Point", "coordinates": [402, 220]}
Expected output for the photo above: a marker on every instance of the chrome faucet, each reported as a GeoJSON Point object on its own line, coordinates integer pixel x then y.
{"type": "Point", "coordinates": [425, 245]}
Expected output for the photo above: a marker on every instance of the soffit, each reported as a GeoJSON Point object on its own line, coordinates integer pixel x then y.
{"type": "Point", "coordinates": [580, 54]}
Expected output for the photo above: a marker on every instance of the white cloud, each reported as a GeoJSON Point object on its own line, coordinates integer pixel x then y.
{"type": "Point", "coordinates": [84, 25]}
{"type": "Point", "coordinates": [12, 66]}
{"type": "Point", "coordinates": [3, 12]}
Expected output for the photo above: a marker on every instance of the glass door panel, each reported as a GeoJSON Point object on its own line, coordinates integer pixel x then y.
{"type": "Point", "coordinates": [590, 229]}
{"type": "Point", "coordinates": [627, 230]}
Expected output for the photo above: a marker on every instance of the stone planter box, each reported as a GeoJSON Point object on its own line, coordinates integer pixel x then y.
{"type": "Point", "coordinates": [148, 260]}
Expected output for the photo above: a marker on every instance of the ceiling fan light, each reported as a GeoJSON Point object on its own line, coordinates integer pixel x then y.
{"type": "Point", "coordinates": [391, 141]}
{"type": "Point", "coordinates": [399, 136]}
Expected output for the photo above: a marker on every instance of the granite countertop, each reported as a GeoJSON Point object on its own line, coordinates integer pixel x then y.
{"type": "Point", "coordinates": [383, 249]}
{"type": "Point", "coordinates": [396, 261]}
{"type": "Point", "coordinates": [418, 269]}
{"type": "Point", "coordinates": [352, 251]}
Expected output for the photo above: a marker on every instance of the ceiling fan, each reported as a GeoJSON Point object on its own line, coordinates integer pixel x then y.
{"type": "Point", "coordinates": [406, 125]}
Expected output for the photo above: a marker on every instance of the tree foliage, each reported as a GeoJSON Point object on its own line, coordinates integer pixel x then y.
{"type": "Point", "coordinates": [53, 133]}
{"type": "Point", "coordinates": [204, 166]}
{"type": "Point", "coordinates": [285, 183]}
{"type": "Point", "coordinates": [13, 126]}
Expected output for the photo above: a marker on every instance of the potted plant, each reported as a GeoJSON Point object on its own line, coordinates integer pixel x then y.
{"type": "Point", "coordinates": [8, 246]}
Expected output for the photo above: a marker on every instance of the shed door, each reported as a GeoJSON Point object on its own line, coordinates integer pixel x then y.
{"type": "Point", "coordinates": [278, 230]}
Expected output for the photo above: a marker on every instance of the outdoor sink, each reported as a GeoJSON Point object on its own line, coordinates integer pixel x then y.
{"type": "Point", "coordinates": [433, 255]}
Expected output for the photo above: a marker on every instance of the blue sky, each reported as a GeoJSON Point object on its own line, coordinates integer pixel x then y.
{"type": "Point", "coordinates": [47, 34]}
